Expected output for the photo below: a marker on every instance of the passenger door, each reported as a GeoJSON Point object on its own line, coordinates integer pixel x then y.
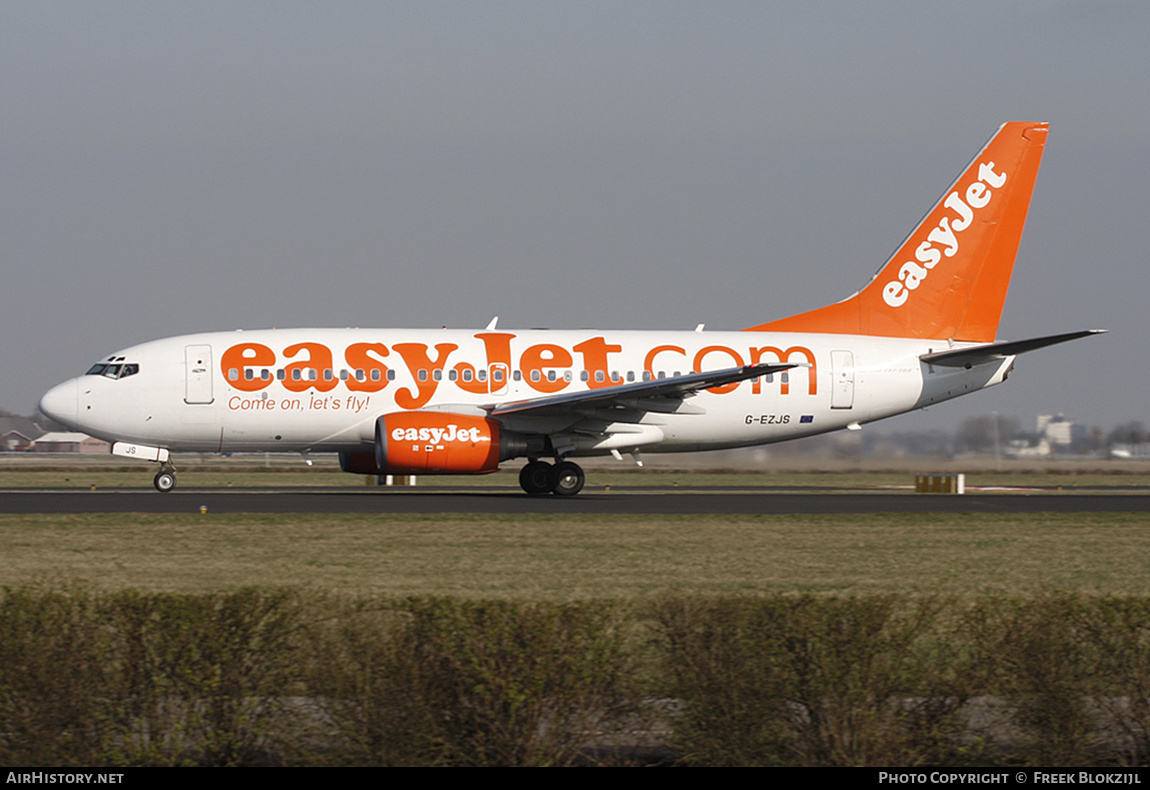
{"type": "Point", "coordinates": [198, 374]}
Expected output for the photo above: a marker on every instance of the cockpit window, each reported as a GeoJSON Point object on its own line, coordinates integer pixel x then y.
{"type": "Point", "coordinates": [114, 371]}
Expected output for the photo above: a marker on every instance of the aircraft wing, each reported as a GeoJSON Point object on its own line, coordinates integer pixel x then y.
{"type": "Point", "coordinates": [968, 357]}
{"type": "Point", "coordinates": [638, 394]}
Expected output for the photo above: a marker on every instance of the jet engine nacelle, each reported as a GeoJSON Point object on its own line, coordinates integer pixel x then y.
{"type": "Point", "coordinates": [428, 442]}
{"type": "Point", "coordinates": [420, 442]}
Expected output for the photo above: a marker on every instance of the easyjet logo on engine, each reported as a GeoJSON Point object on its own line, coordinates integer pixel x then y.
{"type": "Point", "coordinates": [415, 442]}
{"type": "Point", "coordinates": [943, 238]}
{"type": "Point", "coordinates": [452, 433]}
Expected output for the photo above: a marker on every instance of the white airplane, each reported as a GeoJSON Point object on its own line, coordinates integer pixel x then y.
{"type": "Point", "coordinates": [452, 401]}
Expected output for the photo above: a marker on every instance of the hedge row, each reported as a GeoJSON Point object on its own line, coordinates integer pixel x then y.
{"type": "Point", "coordinates": [304, 678]}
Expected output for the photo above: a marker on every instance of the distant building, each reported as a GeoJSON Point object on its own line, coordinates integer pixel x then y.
{"type": "Point", "coordinates": [1060, 432]}
{"type": "Point", "coordinates": [14, 441]}
{"type": "Point", "coordinates": [68, 442]}
{"type": "Point", "coordinates": [18, 433]}
{"type": "Point", "coordinates": [1021, 448]}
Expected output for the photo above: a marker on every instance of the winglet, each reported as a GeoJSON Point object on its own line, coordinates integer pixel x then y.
{"type": "Point", "coordinates": [948, 279]}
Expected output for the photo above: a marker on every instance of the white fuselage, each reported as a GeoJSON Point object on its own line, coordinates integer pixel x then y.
{"type": "Point", "coordinates": [322, 390]}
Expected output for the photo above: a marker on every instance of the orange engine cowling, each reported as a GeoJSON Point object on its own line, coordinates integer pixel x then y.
{"type": "Point", "coordinates": [425, 442]}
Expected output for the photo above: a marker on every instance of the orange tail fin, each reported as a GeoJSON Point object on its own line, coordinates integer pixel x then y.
{"type": "Point", "coordinates": [948, 280]}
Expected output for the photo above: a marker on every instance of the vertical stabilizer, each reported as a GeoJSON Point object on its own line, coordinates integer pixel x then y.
{"type": "Point", "coordinates": [948, 279]}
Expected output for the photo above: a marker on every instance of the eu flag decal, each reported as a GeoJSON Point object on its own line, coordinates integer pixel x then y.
{"type": "Point", "coordinates": [807, 418]}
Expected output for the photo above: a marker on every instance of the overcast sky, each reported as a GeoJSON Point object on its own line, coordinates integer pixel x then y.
{"type": "Point", "coordinates": [168, 168]}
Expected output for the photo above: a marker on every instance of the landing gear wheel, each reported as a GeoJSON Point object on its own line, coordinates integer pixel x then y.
{"type": "Point", "coordinates": [164, 481]}
{"type": "Point", "coordinates": [535, 478]}
{"type": "Point", "coordinates": [567, 479]}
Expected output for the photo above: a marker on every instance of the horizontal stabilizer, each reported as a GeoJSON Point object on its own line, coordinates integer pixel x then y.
{"type": "Point", "coordinates": [968, 357]}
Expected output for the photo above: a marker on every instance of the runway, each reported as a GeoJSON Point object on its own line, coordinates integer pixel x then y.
{"type": "Point", "coordinates": [510, 501]}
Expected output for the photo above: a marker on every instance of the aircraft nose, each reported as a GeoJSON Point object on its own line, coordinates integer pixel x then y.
{"type": "Point", "coordinates": [61, 402]}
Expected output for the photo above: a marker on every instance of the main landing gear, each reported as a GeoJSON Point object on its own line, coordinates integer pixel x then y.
{"type": "Point", "coordinates": [165, 479]}
{"type": "Point", "coordinates": [562, 479]}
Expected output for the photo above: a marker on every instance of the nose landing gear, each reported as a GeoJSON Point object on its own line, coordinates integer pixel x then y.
{"type": "Point", "coordinates": [562, 479]}
{"type": "Point", "coordinates": [165, 479]}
